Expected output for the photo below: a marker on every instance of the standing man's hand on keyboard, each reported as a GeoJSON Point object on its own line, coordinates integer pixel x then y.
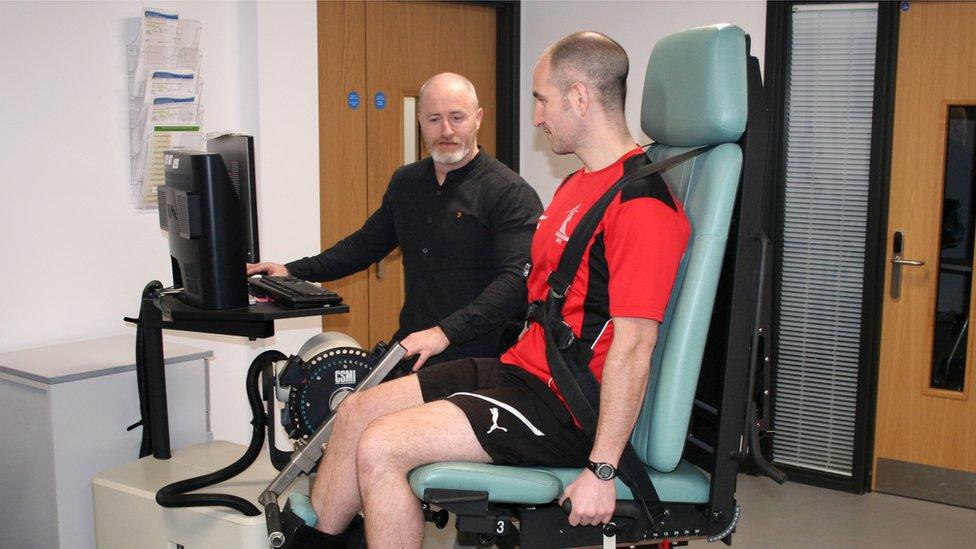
{"type": "Point", "coordinates": [425, 343]}
{"type": "Point", "coordinates": [267, 269]}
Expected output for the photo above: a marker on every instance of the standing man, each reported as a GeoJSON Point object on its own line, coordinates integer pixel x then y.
{"type": "Point", "coordinates": [508, 410]}
{"type": "Point", "coordinates": [464, 222]}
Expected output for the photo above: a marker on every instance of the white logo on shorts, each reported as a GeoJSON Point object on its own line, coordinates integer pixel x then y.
{"type": "Point", "coordinates": [494, 421]}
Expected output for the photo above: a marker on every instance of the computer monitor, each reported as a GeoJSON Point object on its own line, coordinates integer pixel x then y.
{"type": "Point", "coordinates": [238, 153]}
{"type": "Point", "coordinates": [202, 214]}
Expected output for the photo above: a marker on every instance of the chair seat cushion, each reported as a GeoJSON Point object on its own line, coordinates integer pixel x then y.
{"type": "Point", "coordinates": [538, 486]}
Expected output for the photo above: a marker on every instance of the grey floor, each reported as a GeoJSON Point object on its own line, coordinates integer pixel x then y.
{"type": "Point", "coordinates": [797, 516]}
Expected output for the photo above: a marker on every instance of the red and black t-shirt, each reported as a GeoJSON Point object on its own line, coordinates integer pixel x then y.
{"type": "Point", "coordinates": [628, 268]}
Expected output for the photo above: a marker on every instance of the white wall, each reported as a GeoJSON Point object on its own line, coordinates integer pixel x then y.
{"type": "Point", "coordinates": [636, 26]}
{"type": "Point", "coordinates": [281, 78]}
{"type": "Point", "coordinates": [76, 253]}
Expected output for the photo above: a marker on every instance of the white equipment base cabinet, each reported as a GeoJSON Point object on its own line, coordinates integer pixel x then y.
{"type": "Point", "coordinates": [127, 515]}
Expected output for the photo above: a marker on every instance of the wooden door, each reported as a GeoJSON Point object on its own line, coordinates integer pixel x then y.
{"type": "Point", "coordinates": [384, 52]}
{"type": "Point", "coordinates": [925, 429]}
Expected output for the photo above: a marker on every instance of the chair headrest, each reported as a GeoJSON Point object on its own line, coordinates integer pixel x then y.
{"type": "Point", "coordinates": [695, 87]}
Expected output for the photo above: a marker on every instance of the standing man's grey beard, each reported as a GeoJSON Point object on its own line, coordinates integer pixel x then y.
{"type": "Point", "coordinates": [450, 158]}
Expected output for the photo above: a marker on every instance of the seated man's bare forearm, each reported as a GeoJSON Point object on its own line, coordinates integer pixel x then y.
{"type": "Point", "coordinates": [624, 383]}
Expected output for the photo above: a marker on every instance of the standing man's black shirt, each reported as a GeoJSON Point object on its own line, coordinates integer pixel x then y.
{"type": "Point", "coordinates": [465, 244]}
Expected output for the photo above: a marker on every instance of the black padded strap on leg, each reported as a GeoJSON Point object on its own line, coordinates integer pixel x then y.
{"type": "Point", "coordinates": [299, 535]}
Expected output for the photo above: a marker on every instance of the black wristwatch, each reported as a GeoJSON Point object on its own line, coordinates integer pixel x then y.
{"type": "Point", "coordinates": [603, 471]}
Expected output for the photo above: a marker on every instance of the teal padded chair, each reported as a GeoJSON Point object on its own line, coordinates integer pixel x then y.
{"type": "Point", "coordinates": [695, 94]}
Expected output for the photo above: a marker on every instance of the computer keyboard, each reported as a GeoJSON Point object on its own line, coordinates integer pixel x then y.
{"type": "Point", "coordinates": [296, 292]}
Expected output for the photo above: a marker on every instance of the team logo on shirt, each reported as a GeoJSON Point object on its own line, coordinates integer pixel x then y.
{"type": "Point", "coordinates": [561, 236]}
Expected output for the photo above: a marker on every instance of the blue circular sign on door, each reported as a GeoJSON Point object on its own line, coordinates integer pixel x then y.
{"type": "Point", "coordinates": [380, 100]}
{"type": "Point", "coordinates": [353, 100]}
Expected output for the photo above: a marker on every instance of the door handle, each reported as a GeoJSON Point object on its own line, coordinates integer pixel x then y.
{"type": "Point", "coordinates": [897, 262]}
{"type": "Point", "coordinates": [381, 268]}
{"type": "Point", "coordinates": [912, 262]}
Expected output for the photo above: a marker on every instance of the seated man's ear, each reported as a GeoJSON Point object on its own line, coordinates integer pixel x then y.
{"type": "Point", "coordinates": [579, 98]}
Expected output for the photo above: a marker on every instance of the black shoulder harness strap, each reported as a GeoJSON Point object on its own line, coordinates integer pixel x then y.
{"type": "Point", "coordinates": [575, 381]}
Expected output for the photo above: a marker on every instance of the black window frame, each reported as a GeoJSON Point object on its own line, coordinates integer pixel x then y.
{"type": "Point", "coordinates": [776, 70]}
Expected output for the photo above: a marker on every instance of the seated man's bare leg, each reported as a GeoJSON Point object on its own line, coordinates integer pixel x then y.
{"type": "Point", "coordinates": [335, 494]}
{"type": "Point", "coordinates": [391, 447]}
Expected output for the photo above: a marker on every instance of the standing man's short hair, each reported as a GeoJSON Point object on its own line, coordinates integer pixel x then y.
{"type": "Point", "coordinates": [449, 75]}
{"type": "Point", "coordinates": [596, 59]}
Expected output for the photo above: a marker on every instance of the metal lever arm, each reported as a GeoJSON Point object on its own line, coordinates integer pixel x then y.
{"type": "Point", "coordinates": [305, 459]}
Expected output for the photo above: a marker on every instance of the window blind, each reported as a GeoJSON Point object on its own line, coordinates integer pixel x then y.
{"type": "Point", "coordinates": [829, 103]}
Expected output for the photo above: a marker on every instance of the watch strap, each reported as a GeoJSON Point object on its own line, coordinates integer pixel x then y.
{"type": "Point", "coordinates": [595, 468]}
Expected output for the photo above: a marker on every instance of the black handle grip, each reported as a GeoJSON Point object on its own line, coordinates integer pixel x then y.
{"type": "Point", "coordinates": [609, 529]}
{"type": "Point", "coordinates": [272, 517]}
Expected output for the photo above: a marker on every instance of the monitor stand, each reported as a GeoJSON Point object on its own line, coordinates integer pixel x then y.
{"type": "Point", "coordinates": [161, 310]}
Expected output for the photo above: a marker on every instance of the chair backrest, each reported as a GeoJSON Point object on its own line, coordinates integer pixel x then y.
{"type": "Point", "coordinates": [695, 94]}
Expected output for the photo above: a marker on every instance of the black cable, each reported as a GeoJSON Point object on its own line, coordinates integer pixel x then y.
{"type": "Point", "coordinates": [174, 495]}
{"type": "Point", "coordinates": [279, 458]}
{"type": "Point", "coordinates": [145, 446]}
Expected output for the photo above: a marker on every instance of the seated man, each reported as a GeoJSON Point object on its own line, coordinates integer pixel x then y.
{"type": "Point", "coordinates": [508, 410]}
{"type": "Point", "coordinates": [464, 222]}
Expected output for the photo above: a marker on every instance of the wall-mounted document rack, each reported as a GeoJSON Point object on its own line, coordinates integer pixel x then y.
{"type": "Point", "coordinates": [165, 87]}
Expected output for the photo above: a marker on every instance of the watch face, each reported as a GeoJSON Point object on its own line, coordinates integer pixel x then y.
{"type": "Point", "coordinates": [604, 471]}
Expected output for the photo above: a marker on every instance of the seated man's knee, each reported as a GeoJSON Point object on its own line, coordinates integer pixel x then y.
{"type": "Point", "coordinates": [351, 410]}
{"type": "Point", "coordinates": [379, 446]}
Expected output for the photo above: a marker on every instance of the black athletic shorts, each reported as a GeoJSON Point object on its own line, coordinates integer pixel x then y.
{"type": "Point", "coordinates": [517, 419]}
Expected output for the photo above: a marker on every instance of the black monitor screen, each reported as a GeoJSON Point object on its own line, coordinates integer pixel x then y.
{"type": "Point", "coordinates": [238, 154]}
